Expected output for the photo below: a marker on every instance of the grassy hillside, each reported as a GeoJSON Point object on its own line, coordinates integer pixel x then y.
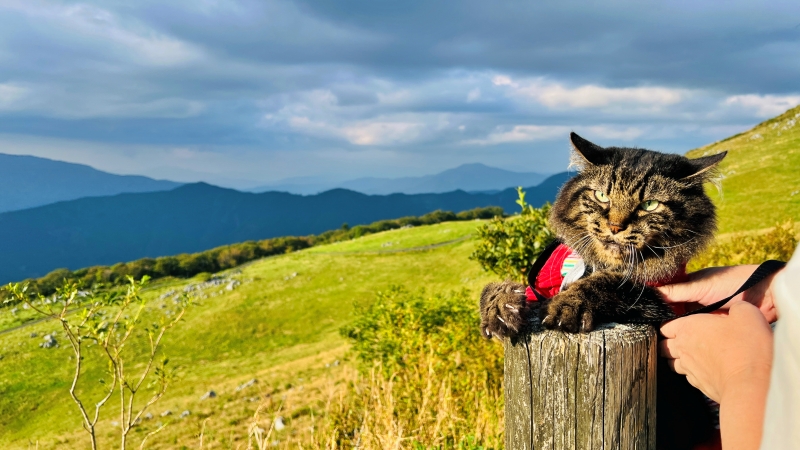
{"type": "Point", "coordinates": [279, 327]}
{"type": "Point", "coordinates": [196, 217]}
{"type": "Point", "coordinates": [761, 174]}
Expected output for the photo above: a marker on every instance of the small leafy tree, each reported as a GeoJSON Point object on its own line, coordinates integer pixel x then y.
{"type": "Point", "coordinates": [508, 246]}
{"type": "Point", "coordinates": [112, 320]}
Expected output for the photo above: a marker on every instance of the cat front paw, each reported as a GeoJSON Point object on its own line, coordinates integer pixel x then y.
{"type": "Point", "coordinates": [504, 309]}
{"type": "Point", "coordinates": [569, 312]}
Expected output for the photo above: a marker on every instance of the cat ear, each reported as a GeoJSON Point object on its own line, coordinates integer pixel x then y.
{"type": "Point", "coordinates": [591, 153]}
{"type": "Point", "coordinates": [704, 164]}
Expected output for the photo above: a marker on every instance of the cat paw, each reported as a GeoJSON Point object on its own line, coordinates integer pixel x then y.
{"type": "Point", "coordinates": [504, 309]}
{"type": "Point", "coordinates": [568, 312]}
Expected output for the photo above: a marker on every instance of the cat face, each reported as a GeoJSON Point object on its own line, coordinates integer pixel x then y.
{"type": "Point", "coordinates": [635, 211]}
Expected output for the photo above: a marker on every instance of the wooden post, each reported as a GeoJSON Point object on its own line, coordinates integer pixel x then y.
{"type": "Point", "coordinates": [582, 391]}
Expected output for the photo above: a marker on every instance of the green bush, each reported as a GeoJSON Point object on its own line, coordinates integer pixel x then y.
{"type": "Point", "coordinates": [508, 246]}
{"type": "Point", "coordinates": [400, 327]}
{"type": "Point", "coordinates": [428, 379]}
{"type": "Point", "coordinates": [778, 243]}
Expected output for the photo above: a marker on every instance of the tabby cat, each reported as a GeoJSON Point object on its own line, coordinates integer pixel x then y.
{"type": "Point", "coordinates": [635, 217]}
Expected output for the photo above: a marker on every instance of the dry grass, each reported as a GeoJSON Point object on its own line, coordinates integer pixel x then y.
{"type": "Point", "coordinates": [749, 248]}
{"type": "Point", "coordinates": [424, 379]}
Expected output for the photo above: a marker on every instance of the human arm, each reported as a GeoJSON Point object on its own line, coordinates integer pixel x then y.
{"type": "Point", "coordinates": [730, 366]}
{"type": "Point", "coordinates": [714, 283]}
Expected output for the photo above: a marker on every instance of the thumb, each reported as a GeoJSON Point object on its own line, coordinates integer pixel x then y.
{"type": "Point", "coordinates": [742, 308]}
{"type": "Point", "coordinates": [679, 292]}
{"type": "Point", "coordinates": [698, 289]}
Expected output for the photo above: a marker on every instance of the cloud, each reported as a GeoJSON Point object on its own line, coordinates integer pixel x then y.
{"type": "Point", "coordinates": [556, 95]}
{"type": "Point", "coordinates": [532, 133]}
{"type": "Point", "coordinates": [10, 94]}
{"type": "Point", "coordinates": [522, 133]}
{"type": "Point", "coordinates": [763, 105]}
{"type": "Point", "coordinates": [295, 87]}
{"type": "Point", "coordinates": [99, 28]}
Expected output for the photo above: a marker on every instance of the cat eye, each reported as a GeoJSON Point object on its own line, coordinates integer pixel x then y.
{"type": "Point", "coordinates": [649, 205]}
{"type": "Point", "coordinates": [601, 196]}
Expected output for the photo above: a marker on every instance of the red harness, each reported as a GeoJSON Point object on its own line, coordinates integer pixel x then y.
{"type": "Point", "coordinates": [546, 283]}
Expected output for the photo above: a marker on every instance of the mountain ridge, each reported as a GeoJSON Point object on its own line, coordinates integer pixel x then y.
{"type": "Point", "coordinates": [471, 177]}
{"type": "Point", "coordinates": [31, 181]}
{"type": "Point", "coordinates": [199, 216]}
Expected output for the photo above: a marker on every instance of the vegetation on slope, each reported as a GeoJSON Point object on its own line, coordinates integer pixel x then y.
{"type": "Point", "coordinates": [229, 256]}
{"type": "Point", "coordinates": [419, 378]}
{"type": "Point", "coordinates": [280, 326]}
{"type": "Point", "coordinates": [760, 182]}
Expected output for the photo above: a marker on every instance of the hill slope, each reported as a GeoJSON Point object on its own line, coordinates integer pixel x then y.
{"type": "Point", "coordinates": [279, 327]}
{"type": "Point", "coordinates": [467, 177]}
{"type": "Point", "coordinates": [761, 174]}
{"type": "Point", "coordinates": [28, 181]}
{"type": "Point", "coordinates": [191, 218]}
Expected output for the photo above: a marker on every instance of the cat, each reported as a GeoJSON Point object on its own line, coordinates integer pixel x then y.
{"type": "Point", "coordinates": [632, 218]}
{"type": "Point", "coordinates": [635, 217]}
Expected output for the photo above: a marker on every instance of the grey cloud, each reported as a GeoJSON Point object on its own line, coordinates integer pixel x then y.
{"type": "Point", "coordinates": [406, 86]}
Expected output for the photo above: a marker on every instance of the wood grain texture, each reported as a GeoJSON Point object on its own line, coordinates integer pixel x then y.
{"type": "Point", "coordinates": [582, 391]}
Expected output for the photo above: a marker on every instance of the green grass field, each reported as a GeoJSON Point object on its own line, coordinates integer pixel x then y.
{"type": "Point", "coordinates": [280, 327]}
{"type": "Point", "coordinates": [761, 174]}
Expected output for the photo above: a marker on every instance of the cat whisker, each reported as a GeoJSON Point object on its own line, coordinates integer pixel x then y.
{"type": "Point", "coordinates": [677, 245]}
{"type": "Point", "coordinates": [644, 284]}
{"type": "Point", "coordinates": [629, 261]}
{"type": "Point", "coordinates": [654, 252]}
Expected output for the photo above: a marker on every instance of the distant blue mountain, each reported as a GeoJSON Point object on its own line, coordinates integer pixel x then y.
{"type": "Point", "coordinates": [196, 217]}
{"type": "Point", "coordinates": [28, 181]}
{"type": "Point", "coordinates": [468, 177]}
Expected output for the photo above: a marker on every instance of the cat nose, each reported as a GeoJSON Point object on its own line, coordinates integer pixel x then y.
{"type": "Point", "coordinates": [615, 227]}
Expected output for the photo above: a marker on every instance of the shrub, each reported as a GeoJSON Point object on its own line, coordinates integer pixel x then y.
{"type": "Point", "coordinates": [508, 246]}
{"type": "Point", "coordinates": [778, 243]}
{"type": "Point", "coordinates": [428, 379]}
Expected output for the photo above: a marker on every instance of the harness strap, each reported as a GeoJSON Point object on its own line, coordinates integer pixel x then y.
{"type": "Point", "coordinates": [537, 267]}
{"type": "Point", "coordinates": [764, 270]}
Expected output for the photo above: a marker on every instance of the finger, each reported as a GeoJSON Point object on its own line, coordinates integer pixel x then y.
{"type": "Point", "coordinates": [670, 329]}
{"type": "Point", "coordinates": [667, 348]}
{"type": "Point", "coordinates": [675, 365]}
{"type": "Point", "coordinates": [688, 292]}
{"type": "Point", "coordinates": [741, 307]}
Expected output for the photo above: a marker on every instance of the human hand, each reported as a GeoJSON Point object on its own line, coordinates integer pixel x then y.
{"type": "Point", "coordinates": [728, 357]}
{"type": "Point", "coordinates": [715, 283]}
{"type": "Point", "coordinates": [718, 351]}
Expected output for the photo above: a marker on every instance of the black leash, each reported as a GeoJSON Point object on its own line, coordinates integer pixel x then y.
{"type": "Point", "coordinates": [764, 270]}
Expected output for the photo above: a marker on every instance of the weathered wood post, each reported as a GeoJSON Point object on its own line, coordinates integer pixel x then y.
{"type": "Point", "coordinates": [582, 391]}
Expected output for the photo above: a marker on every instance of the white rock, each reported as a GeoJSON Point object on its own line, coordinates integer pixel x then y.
{"type": "Point", "coordinates": [246, 385]}
{"type": "Point", "coordinates": [279, 425]}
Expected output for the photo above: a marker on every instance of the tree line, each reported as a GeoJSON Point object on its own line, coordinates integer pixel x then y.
{"type": "Point", "coordinates": [228, 256]}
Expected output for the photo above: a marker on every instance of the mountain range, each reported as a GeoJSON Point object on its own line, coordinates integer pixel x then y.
{"type": "Point", "coordinates": [199, 216]}
{"type": "Point", "coordinates": [467, 177]}
{"type": "Point", "coordinates": [29, 181]}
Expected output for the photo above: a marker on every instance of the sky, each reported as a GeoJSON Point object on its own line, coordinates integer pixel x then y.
{"type": "Point", "coordinates": [248, 93]}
